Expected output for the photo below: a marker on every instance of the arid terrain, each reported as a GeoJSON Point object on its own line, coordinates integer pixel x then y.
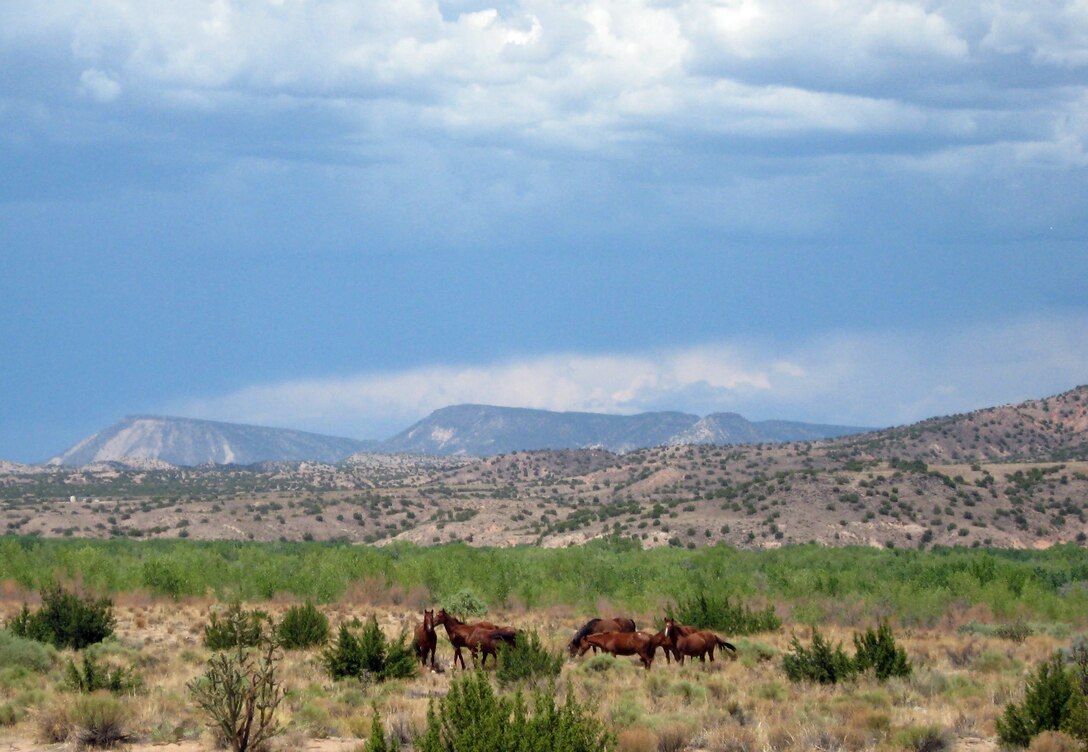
{"type": "Point", "coordinates": [960, 683]}
{"type": "Point", "coordinates": [1013, 476]}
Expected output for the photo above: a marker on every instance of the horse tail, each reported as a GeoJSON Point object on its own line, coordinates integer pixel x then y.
{"type": "Point", "coordinates": [726, 645]}
{"type": "Point", "coordinates": [506, 634]}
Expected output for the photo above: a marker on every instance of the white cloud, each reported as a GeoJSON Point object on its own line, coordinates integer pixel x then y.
{"type": "Point", "coordinates": [578, 72]}
{"type": "Point", "coordinates": [877, 378]}
{"type": "Point", "coordinates": [99, 86]}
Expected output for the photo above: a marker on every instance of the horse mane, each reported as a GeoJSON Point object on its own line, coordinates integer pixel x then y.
{"type": "Point", "coordinates": [589, 625]}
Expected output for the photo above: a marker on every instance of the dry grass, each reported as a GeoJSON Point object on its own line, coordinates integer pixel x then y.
{"type": "Point", "coordinates": [959, 688]}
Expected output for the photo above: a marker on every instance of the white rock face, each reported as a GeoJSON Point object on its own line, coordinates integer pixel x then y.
{"type": "Point", "coordinates": [184, 441]}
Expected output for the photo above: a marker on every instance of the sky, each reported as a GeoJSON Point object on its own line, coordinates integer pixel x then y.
{"type": "Point", "coordinates": [338, 216]}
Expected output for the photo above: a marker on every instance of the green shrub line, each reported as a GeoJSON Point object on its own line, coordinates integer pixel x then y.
{"type": "Point", "coordinates": [827, 663]}
{"type": "Point", "coordinates": [815, 582]}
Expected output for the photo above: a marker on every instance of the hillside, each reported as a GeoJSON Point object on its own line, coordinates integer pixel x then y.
{"type": "Point", "coordinates": [1022, 483]}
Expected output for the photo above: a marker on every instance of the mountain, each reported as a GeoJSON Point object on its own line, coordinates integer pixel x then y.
{"type": "Point", "coordinates": [185, 441]}
{"type": "Point", "coordinates": [485, 430]}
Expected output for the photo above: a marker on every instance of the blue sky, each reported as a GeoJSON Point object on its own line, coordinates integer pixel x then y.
{"type": "Point", "coordinates": [334, 216]}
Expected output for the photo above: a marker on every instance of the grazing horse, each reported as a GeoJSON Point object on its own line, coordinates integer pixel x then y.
{"type": "Point", "coordinates": [596, 626]}
{"type": "Point", "coordinates": [426, 641]}
{"type": "Point", "coordinates": [698, 643]}
{"type": "Point", "coordinates": [622, 643]}
{"type": "Point", "coordinates": [486, 641]}
{"type": "Point", "coordinates": [459, 633]}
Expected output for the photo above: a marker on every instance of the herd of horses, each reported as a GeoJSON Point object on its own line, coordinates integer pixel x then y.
{"type": "Point", "coordinates": [617, 636]}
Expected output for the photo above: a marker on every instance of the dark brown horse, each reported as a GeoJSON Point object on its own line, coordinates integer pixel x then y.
{"type": "Point", "coordinates": [699, 643]}
{"type": "Point", "coordinates": [459, 633]}
{"type": "Point", "coordinates": [622, 643]}
{"type": "Point", "coordinates": [486, 641]}
{"type": "Point", "coordinates": [426, 641]}
{"type": "Point", "coordinates": [596, 626]}
{"type": "Point", "coordinates": [663, 642]}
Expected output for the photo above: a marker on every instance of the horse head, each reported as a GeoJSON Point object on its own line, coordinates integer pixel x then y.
{"type": "Point", "coordinates": [670, 629]}
{"type": "Point", "coordinates": [428, 619]}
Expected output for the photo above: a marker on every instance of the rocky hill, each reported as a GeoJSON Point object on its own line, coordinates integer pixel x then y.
{"type": "Point", "coordinates": [185, 441]}
{"type": "Point", "coordinates": [1013, 476]}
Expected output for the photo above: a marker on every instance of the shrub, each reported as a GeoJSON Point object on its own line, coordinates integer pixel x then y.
{"type": "Point", "coordinates": [9, 716]}
{"type": "Point", "coordinates": [376, 742]}
{"type": "Point", "coordinates": [723, 615]}
{"type": "Point", "coordinates": [925, 739]}
{"type": "Point", "coordinates": [1017, 631]}
{"type": "Point", "coordinates": [465, 604]}
{"type": "Point", "coordinates": [23, 652]}
{"type": "Point", "coordinates": [822, 663]}
{"type": "Point", "coordinates": [99, 720]}
{"type": "Point", "coordinates": [527, 659]}
{"type": "Point", "coordinates": [240, 693]}
{"type": "Point", "coordinates": [303, 627]}
{"type": "Point", "coordinates": [54, 723]}
{"type": "Point", "coordinates": [65, 620]}
{"type": "Point", "coordinates": [472, 718]}
{"type": "Point", "coordinates": [237, 628]}
{"type": "Point", "coordinates": [92, 676]}
{"type": "Point", "coordinates": [1046, 706]}
{"type": "Point", "coordinates": [878, 651]}
{"type": "Point", "coordinates": [368, 654]}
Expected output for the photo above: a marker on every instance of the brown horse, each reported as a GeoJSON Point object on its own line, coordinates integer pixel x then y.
{"type": "Point", "coordinates": [699, 643]}
{"type": "Point", "coordinates": [426, 641]}
{"type": "Point", "coordinates": [596, 626]}
{"type": "Point", "coordinates": [459, 633]}
{"type": "Point", "coordinates": [663, 642]}
{"type": "Point", "coordinates": [486, 641]}
{"type": "Point", "coordinates": [622, 643]}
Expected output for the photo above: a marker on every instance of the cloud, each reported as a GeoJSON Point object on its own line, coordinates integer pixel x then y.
{"type": "Point", "coordinates": [99, 86]}
{"type": "Point", "coordinates": [581, 73]}
{"type": "Point", "coordinates": [879, 378]}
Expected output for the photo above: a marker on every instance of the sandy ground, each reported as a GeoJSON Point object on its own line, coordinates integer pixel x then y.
{"type": "Point", "coordinates": [311, 745]}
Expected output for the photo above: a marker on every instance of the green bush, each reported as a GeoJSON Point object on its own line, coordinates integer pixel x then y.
{"type": "Point", "coordinates": [878, 651]}
{"type": "Point", "coordinates": [723, 615]}
{"type": "Point", "coordinates": [92, 676]}
{"type": "Point", "coordinates": [1050, 703]}
{"type": "Point", "coordinates": [238, 627]}
{"type": "Point", "coordinates": [465, 604]}
{"type": "Point", "coordinates": [1016, 631]}
{"type": "Point", "coordinates": [822, 663]}
{"type": "Point", "coordinates": [303, 627]}
{"type": "Point", "coordinates": [24, 653]}
{"type": "Point", "coordinates": [368, 654]}
{"type": "Point", "coordinates": [99, 720]}
{"type": "Point", "coordinates": [9, 716]}
{"type": "Point", "coordinates": [473, 718]}
{"type": "Point", "coordinates": [527, 659]}
{"type": "Point", "coordinates": [925, 739]}
{"type": "Point", "coordinates": [65, 620]}
{"type": "Point", "coordinates": [376, 742]}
